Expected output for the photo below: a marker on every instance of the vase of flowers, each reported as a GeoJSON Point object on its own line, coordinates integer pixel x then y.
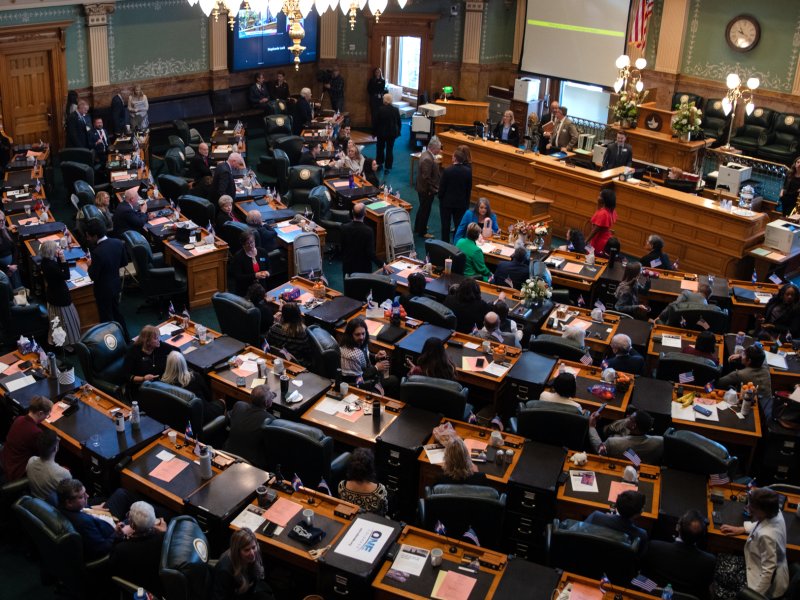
{"type": "Point", "coordinates": [519, 233]}
{"type": "Point", "coordinates": [540, 230]}
{"type": "Point", "coordinates": [625, 110]}
{"type": "Point", "coordinates": [534, 291]}
{"type": "Point", "coordinates": [687, 121]}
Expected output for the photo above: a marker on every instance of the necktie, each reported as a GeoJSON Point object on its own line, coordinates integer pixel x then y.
{"type": "Point", "coordinates": [619, 153]}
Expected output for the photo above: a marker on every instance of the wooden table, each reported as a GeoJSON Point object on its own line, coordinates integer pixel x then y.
{"type": "Point", "coordinates": [305, 285]}
{"type": "Point", "coordinates": [662, 149]}
{"type": "Point", "coordinates": [579, 505]}
{"type": "Point", "coordinates": [570, 270]}
{"type": "Point", "coordinates": [223, 142]}
{"type": "Point", "coordinates": [581, 585]}
{"type": "Point", "coordinates": [16, 220]}
{"type": "Point", "coordinates": [598, 334]}
{"type": "Point", "coordinates": [461, 113]}
{"type": "Point", "coordinates": [666, 286]}
{"type": "Point", "coordinates": [21, 177]}
{"type": "Point", "coordinates": [688, 338]}
{"type": "Point", "coordinates": [586, 377]}
{"type": "Point", "coordinates": [743, 309]}
{"type": "Point", "coordinates": [511, 205]}
{"type": "Point", "coordinates": [206, 270]}
{"type": "Point", "coordinates": [767, 260]}
{"type": "Point", "coordinates": [457, 556]}
{"type": "Point", "coordinates": [470, 348]}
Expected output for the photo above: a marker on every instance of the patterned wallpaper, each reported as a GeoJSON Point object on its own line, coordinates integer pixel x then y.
{"type": "Point", "coordinates": [653, 33]}
{"type": "Point", "coordinates": [497, 34]}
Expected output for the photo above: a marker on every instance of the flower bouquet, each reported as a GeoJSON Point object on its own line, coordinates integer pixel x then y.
{"type": "Point", "coordinates": [687, 121]}
{"type": "Point", "coordinates": [535, 290]}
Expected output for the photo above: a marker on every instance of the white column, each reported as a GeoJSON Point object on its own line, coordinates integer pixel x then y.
{"type": "Point", "coordinates": [329, 31]}
{"type": "Point", "coordinates": [97, 22]}
{"type": "Point", "coordinates": [472, 33]}
{"type": "Point", "coordinates": [218, 42]}
{"type": "Point", "coordinates": [670, 38]}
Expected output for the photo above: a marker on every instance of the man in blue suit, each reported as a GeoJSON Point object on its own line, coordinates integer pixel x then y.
{"type": "Point", "coordinates": [108, 256]}
{"type": "Point", "coordinates": [97, 534]}
{"type": "Point", "coordinates": [130, 214]}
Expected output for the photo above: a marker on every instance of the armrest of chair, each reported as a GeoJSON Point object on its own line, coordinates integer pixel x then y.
{"type": "Point", "coordinates": [421, 512]}
{"type": "Point", "coordinates": [749, 594]}
{"type": "Point", "coordinates": [215, 427]}
{"type": "Point", "coordinates": [158, 259]}
{"type": "Point", "coordinates": [99, 564]}
{"type": "Point", "coordinates": [28, 317]}
{"type": "Point", "coordinates": [339, 466]}
{"type": "Point", "coordinates": [124, 585]}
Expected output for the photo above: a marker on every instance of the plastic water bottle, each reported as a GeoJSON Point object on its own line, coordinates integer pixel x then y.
{"type": "Point", "coordinates": [136, 417]}
{"type": "Point", "coordinates": [667, 593]}
{"type": "Point", "coordinates": [395, 312]}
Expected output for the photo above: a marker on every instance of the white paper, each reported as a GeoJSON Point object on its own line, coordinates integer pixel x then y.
{"type": "Point", "coordinates": [13, 386]}
{"type": "Point", "coordinates": [579, 486]}
{"type": "Point", "coordinates": [495, 369]}
{"type": "Point", "coordinates": [107, 518]}
{"type": "Point", "coordinates": [251, 517]}
{"type": "Point", "coordinates": [685, 414]}
{"type": "Point", "coordinates": [249, 366]}
{"type": "Point", "coordinates": [250, 356]}
{"type": "Point", "coordinates": [714, 416]}
{"type": "Point", "coordinates": [671, 341]}
{"type": "Point", "coordinates": [297, 382]}
{"type": "Point", "coordinates": [329, 406]}
{"type": "Point", "coordinates": [257, 382]}
{"type": "Point", "coordinates": [571, 370]}
{"type": "Point", "coordinates": [795, 395]}
{"type": "Point", "coordinates": [776, 361]}
{"type": "Point", "coordinates": [168, 329]}
{"type": "Point", "coordinates": [3, 367]}
{"type": "Point", "coordinates": [165, 455]}
{"type": "Point", "coordinates": [410, 559]}
{"type": "Point", "coordinates": [435, 454]}
{"type": "Point", "coordinates": [364, 540]}
{"type": "Point", "coordinates": [762, 297]}
{"type": "Point", "coordinates": [471, 345]}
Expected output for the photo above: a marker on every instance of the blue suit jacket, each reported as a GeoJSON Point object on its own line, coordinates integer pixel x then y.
{"type": "Point", "coordinates": [98, 536]}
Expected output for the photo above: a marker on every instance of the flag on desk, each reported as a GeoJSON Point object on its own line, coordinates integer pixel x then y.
{"type": "Point", "coordinates": [210, 228]}
{"type": "Point", "coordinates": [604, 363]}
{"type": "Point", "coordinates": [683, 323]}
{"type": "Point", "coordinates": [701, 322]}
{"type": "Point", "coordinates": [171, 309]}
{"type": "Point", "coordinates": [586, 359]}
{"type": "Point", "coordinates": [719, 479]}
{"type": "Point", "coordinates": [709, 387]}
{"type": "Point", "coordinates": [265, 346]}
{"type": "Point", "coordinates": [296, 483]}
{"type": "Point", "coordinates": [640, 581]}
{"type": "Point", "coordinates": [189, 433]}
{"type": "Point", "coordinates": [185, 313]}
{"type": "Point", "coordinates": [754, 278]}
{"type": "Point", "coordinates": [439, 528]}
{"type": "Point", "coordinates": [472, 419]}
{"type": "Point", "coordinates": [687, 377]}
{"type": "Point", "coordinates": [581, 301]}
{"type": "Point", "coordinates": [631, 455]}
{"type": "Point", "coordinates": [497, 423]}
{"type": "Point", "coordinates": [323, 486]}
{"type": "Point", "coordinates": [775, 279]}
{"type": "Point", "coordinates": [471, 536]}
{"type": "Point", "coordinates": [604, 581]}
{"type": "Point", "coordinates": [600, 305]}
{"type": "Point", "coordinates": [675, 265]}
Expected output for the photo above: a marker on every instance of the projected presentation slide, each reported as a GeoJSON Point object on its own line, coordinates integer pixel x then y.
{"type": "Point", "coordinates": [261, 39]}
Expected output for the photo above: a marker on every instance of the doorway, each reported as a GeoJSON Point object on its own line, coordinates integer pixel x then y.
{"type": "Point", "coordinates": [401, 63]}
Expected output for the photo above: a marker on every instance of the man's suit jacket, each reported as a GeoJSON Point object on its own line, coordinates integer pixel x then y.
{"type": "Point", "coordinates": [245, 435]}
{"type": "Point", "coordinates": [301, 116]}
{"type": "Point", "coordinates": [97, 535]}
{"type": "Point", "coordinates": [633, 362]}
{"type": "Point", "coordinates": [565, 135]}
{"type": "Point", "coordinates": [358, 248]}
{"type": "Point", "coordinates": [766, 546]}
{"type": "Point", "coordinates": [429, 175]}
{"type": "Point", "coordinates": [687, 568]}
{"type": "Point", "coordinates": [126, 218]}
{"type": "Point", "coordinates": [278, 92]}
{"type": "Point", "coordinates": [455, 186]}
{"type": "Point", "coordinates": [200, 166]}
{"type": "Point", "coordinates": [256, 94]}
{"type": "Point", "coordinates": [617, 156]}
{"type": "Point", "coordinates": [387, 122]}
{"type": "Point", "coordinates": [515, 271]}
{"type": "Point", "coordinates": [107, 259]}
{"type": "Point", "coordinates": [546, 118]}
{"type": "Point", "coordinates": [78, 131]}
{"type": "Point", "coordinates": [223, 182]}
{"type": "Point", "coordinates": [306, 158]}
{"type": "Point", "coordinates": [99, 140]}
{"type": "Point", "coordinates": [119, 115]}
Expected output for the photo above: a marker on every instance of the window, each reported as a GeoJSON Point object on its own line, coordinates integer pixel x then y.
{"type": "Point", "coordinates": [409, 62]}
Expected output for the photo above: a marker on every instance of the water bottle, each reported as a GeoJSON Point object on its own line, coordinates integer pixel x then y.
{"type": "Point", "coordinates": [136, 417]}
{"type": "Point", "coordinates": [667, 593]}
{"type": "Point", "coordinates": [351, 182]}
{"type": "Point", "coordinates": [119, 422]}
{"type": "Point", "coordinates": [395, 320]}
{"type": "Point", "coordinates": [140, 594]}
{"type": "Point", "coordinates": [561, 368]}
{"type": "Point", "coordinates": [205, 463]}
{"type": "Point", "coordinates": [284, 386]}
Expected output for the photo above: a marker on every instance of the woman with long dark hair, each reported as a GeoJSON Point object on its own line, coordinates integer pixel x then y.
{"type": "Point", "coordinates": [468, 306]}
{"type": "Point", "coordinates": [361, 484]}
{"type": "Point", "coordinates": [239, 574]}
{"type": "Point", "coordinates": [627, 294]}
{"type": "Point", "coordinates": [482, 215]}
{"type": "Point", "coordinates": [289, 334]}
{"type": "Point", "coordinates": [782, 313]}
{"type": "Point", "coordinates": [603, 220]}
{"type": "Point", "coordinates": [433, 362]}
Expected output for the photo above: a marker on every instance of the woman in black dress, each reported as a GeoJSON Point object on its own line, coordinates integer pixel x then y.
{"type": "Point", "coordinates": [55, 272]}
{"type": "Point", "coordinates": [250, 264]}
{"type": "Point", "coordinates": [627, 294]}
{"type": "Point", "coordinates": [376, 88]}
{"type": "Point", "coordinates": [239, 574]}
{"type": "Point", "coordinates": [146, 358]}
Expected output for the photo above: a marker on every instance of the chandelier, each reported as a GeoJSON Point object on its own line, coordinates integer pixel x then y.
{"type": "Point", "coordinates": [731, 99]}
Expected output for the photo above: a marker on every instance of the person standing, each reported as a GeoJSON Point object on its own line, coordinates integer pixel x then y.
{"type": "Point", "coordinates": [603, 220]}
{"type": "Point", "coordinates": [387, 130]}
{"type": "Point", "coordinates": [618, 153]}
{"type": "Point", "coordinates": [303, 113]}
{"type": "Point", "coordinates": [138, 107]}
{"type": "Point", "coordinates": [258, 94]}
{"type": "Point", "coordinates": [98, 138]}
{"type": "Point", "coordinates": [78, 127]}
{"type": "Point", "coordinates": [564, 136]}
{"type": "Point", "coordinates": [427, 185]}
{"type": "Point", "coordinates": [55, 272]}
{"type": "Point", "coordinates": [223, 182]}
{"type": "Point", "coordinates": [455, 188]}
{"type": "Point", "coordinates": [548, 117]}
{"type": "Point", "coordinates": [790, 193]}
{"type": "Point", "coordinates": [335, 89]}
{"type": "Point", "coordinates": [376, 88]}
{"type": "Point", "coordinates": [119, 113]}
{"type": "Point", "coordinates": [358, 244]}
{"type": "Point", "coordinates": [107, 258]}
{"type": "Point", "coordinates": [278, 88]}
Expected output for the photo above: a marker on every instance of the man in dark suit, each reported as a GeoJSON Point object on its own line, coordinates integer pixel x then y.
{"type": "Point", "coordinates": [98, 138]}
{"type": "Point", "coordinates": [246, 419]}
{"type": "Point", "coordinates": [387, 130]}
{"type": "Point", "coordinates": [455, 189]}
{"type": "Point", "coordinates": [302, 114]}
{"type": "Point", "coordinates": [514, 272]}
{"type": "Point", "coordinates": [98, 535]}
{"type": "Point", "coordinates": [200, 165]}
{"type": "Point", "coordinates": [223, 183]}
{"type": "Point", "coordinates": [427, 185]}
{"type": "Point", "coordinates": [309, 157]}
{"type": "Point", "coordinates": [686, 297]}
{"type": "Point", "coordinates": [629, 505]}
{"type": "Point", "coordinates": [108, 256]}
{"type": "Point", "coordinates": [681, 563]}
{"type": "Point", "coordinates": [78, 127]}
{"type": "Point", "coordinates": [618, 153]}
{"type": "Point", "coordinates": [119, 114]}
{"type": "Point", "coordinates": [131, 213]}
{"type": "Point", "coordinates": [358, 244]}
{"type": "Point", "coordinates": [624, 358]}
{"type": "Point", "coordinates": [258, 94]}
{"type": "Point", "coordinates": [266, 236]}
{"type": "Point", "coordinates": [548, 117]}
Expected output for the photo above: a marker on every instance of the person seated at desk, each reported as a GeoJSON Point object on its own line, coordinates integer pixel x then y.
{"type": "Point", "coordinates": [482, 215]}
{"type": "Point", "coordinates": [623, 356]}
{"type": "Point", "coordinates": [416, 287]}
{"type": "Point", "coordinates": [433, 361]}
{"type": "Point", "coordinates": [177, 373]}
{"type": "Point", "coordinates": [23, 438]}
{"type": "Point", "coordinates": [458, 466]}
{"type": "Point", "coordinates": [576, 335]}
{"type": "Point", "coordinates": [513, 273]}
{"type": "Point", "coordinates": [359, 366]}
{"type": "Point", "coordinates": [302, 114]}
{"type": "Point", "coordinates": [749, 367]}
{"type": "Point", "coordinates": [352, 160]}
{"type": "Point", "coordinates": [43, 472]}
{"type": "Point", "coordinates": [474, 266]}
{"type": "Point", "coordinates": [656, 258]}
{"type": "Point", "coordinates": [102, 201]}
{"type": "Point", "coordinates": [705, 346]}
{"type": "Point", "coordinates": [136, 556]}
{"type": "Point", "coordinates": [576, 241]}
{"type": "Point", "coordinates": [468, 305]}
{"type": "Point", "coordinates": [344, 135]}
{"type": "Point", "coordinates": [491, 331]}
{"type": "Point", "coordinates": [618, 153]}
{"type": "Point", "coordinates": [201, 164]}
{"type": "Point", "coordinates": [289, 335]}
{"type": "Point", "coordinates": [790, 193]}
{"type": "Point", "coordinates": [682, 563]}
{"type": "Point", "coordinates": [258, 296]}
{"type": "Point", "coordinates": [266, 236]}
{"type": "Point", "coordinates": [146, 358]}
{"type": "Point", "coordinates": [507, 326]}
{"type": "Point", "coordinates": [564, 390]}
{"type": "Point", "coordinates": [278, 88]}
{"type": "Point", "coordinates": [628, 433]}
{"type": "Point", "coordinates": [602, 221]}
{"type": "Point", "coordinates": [506, 130]}
{"type": "Point", "coordinates": [131, 213]}
{"type": "Point", "coordinates": [782, 313]}
{"type": "Point", "coordinates": [701, 296]}
{"type": "Point", "coordinates": [371, 170]}
{"type": "Point", "coordinates": [245, 420]}
{"type": "Point", "coordinates": [628, 290]}
{"type": "Point", "coordinates": [309, 156]}
{"type": "Point", "coordinates": [239, 574]}
{"type": "Point", "coordinates": [765, 548]}
{"type": "Point", "coordinates": [225, 212]}
{"type": "Point", "coordinates": [628, 506]}
{"type": "Point", "coordinates": [361, 485]}
{"type": "Point", "coordinates": [9, 255]}
{"type": "Point", "coordinates": [250, 264]}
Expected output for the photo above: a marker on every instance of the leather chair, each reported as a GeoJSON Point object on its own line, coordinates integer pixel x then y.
{"type": "Point", "coordinates": [292, 145]}
{"type": "Point", "coordinates": [175, 162]}
{"type": "Point", "coordinates": [90, 212]}
{"type": "Point", "coordinates": [237, 317]}
{"type": "Point", "coordinates": [438, 251]}
{"type": "Point", "coordinates": [276, 127]}
{"type": "Point", "coordinates": [301, 449]}
{"type": "Point", "coordinates": [591, 550]}
{"type": "Point", "coordinates": [101, 352]}
{"type": "Point", "coordinates": [84, 192]}
{"type": "Point", "coordinates": [75, 171]}
{"type": "Point", "coordinates": [679, 98]}
{"type": "Point", "coordinates": [448, 398]}
{"type": "Point", "coordinates": [157, 281]}
{"type": "Point", "coordinates": [431, 311]}
{"type": "Point", "coordinates": [672, 364]}
{"type": "Point", "coordinates": [553, 423]}
{"type": "Point", "coordinates": [278, 107]}
{"type": "Point", "coordinates": [307, 255]}
{"type": "Point", "coordinates": [10, 492]}
{"type": "Point", "coordinates": [78, 155]}
{"type": "Point", "coordinates": [273, 171]}
{"type": "Point", "coordinates": [752, 135]}
{"type": "Point", "coordinates": [692, 312]}
{"type": "Point", "coordinates": [190, 136]}
{"type": "Point", "coordinates": [459, 507]}
{"type": "Point", "coordinates": [60, 547]}
{"type": "Point", "coordinates": [301, 181]}
{"type": "Point", "coordinates": [231, 232]}
{"type": "Point", "coordinates": [184, 568]}
{"type": "Point", "coordinates": [176, 141]}
{"type": "Point", "coordinates": [715, 122]}
{"type": "Point", "coordinates": [173, 187]}
{"type": "Point", "coordinates": [175, 406]}
{"type": "Point", "coordinates": [199, 210]}
{"type": "Point", "coordinates": [398, 234]}
{"type": "Point", "coordinates": [326, 357]}
{"type": "Point", "coordinates": [783, 140]}
{"type": "Point", "coordinates": [359, 285]}
{"type": "Point", "coordinates": [332, 221]}
{"type": "Point", "coordinates": [692, 452]}
{"type": "Point", "coordinates": [30, 320]}
{"type": "Point", "coordinates": [554, 345]}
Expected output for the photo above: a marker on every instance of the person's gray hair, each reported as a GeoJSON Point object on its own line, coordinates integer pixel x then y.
{"type": "Point", "coordinates": [142, 516]}
{"type": "Point", "coordinates": [48, 249]}
{"type": "Point", "coordinates": [576, 334]}
{"type": "Point", "coordinates": [254, 218]}
{"type": "Point", "coordinates": [621, 342]}
{"type": "Point", "coordinates": [435, 142]}
{"type": "Point", "coordinates": [224, 199]}
{"type": "Point", "coordinates": [306, 93]}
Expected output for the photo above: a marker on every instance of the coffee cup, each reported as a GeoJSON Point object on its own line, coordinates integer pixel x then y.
{"type": "Point", "coordinates": [173, 437]}
{"type": "Point", "coordinates": [308, 517]}
{"type": "Point", "coordinates": [344, 388]}
{"type": "Point", "coordinates": [261, 493]}
{"type": "Point", "coordinates": [448, 265]}
{"type": "Point", "coordinates": [436, 557]}
{"type": "Point", "coordinates": [487, 346]}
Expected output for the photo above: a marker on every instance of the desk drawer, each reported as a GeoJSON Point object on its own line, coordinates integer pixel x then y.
{"type": "Point", "coordinates": [531, 503]}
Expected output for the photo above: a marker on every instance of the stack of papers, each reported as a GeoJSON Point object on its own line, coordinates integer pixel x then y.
{"type": "Point", "coordinates": [583, 481]}
{"type": "Point", "coordinates": [671, 341]}
{"type": "Point", "coordinates": [410, 559]}
{"type": "Point", "coordinates": [776, 361]}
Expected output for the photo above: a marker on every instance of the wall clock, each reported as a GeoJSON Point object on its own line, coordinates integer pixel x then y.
{"type": "Point", "coordinates": [743, 33]}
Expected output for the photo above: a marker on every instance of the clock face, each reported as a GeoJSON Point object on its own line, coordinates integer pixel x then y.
{"type": "Point", "coordinates": [743, 33]}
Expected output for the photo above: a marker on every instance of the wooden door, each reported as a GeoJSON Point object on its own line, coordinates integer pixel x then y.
{"type": "Point", "coordinates": [33, 82]}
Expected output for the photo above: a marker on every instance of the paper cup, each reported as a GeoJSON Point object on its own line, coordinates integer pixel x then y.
{"type": "Point", "coordinates": [436, 557]}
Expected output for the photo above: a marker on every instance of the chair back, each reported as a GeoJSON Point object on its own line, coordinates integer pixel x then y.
{"type": "Point", "coordinates": [438, 251]}
{"type": "Point", "coordinates": [433, 312]}
{"type": "Point", "coordinates": [176, 141]}
{"type": "Point", "coordinates": [231, 232]}
{"type": "Point", "coordinates": [448, 398]}
{"type": "Point", "coordinates": [553, 423]}
{"type": "Point", "coordinates": [101, 352]}
{"type": "Point", "coordinates": [359, 285]}
{"type": "Point", "coordinates": [554, 345]}
{"type": "Point", "coordinates": [292, 145]}
{"type": "Point", "coordinates": [326, 357]}
{"type": "Point", "coordinates": [84, 192]}
{"type": "Point", "coordinates": [199, 210]}
{"type": "Point", "coordinates": [297, 448]}
{"type": "Point", "coordinates": [175, 161]}
{"type": "Point", "coordinates": [715, 121]}
{"type": "Point", "coordinates": [307, 254]}
{"type": "Point", "coordinates": [679, 98]}
{"type": "Point", "coordinates": [237, 317]}
{"type": "Point", "coordinates": [183, 568]}
{"type": "Point", "coordinates": [461, 507]}
{"type": "Point", "coordinates": [694, 313]}
{"type": "Point", "coordinates": [139, 249]}
{"type": "Point", "coordinates": [277, 125]}
{"type": "Point", "coordinates": [399, 235]}
{"type": "Point", "coordinates": [76, 171]}
{"type": "Point", "coordinates": [278, 107]}
{"type": "Point", "coordinates": [172, 405]}
{"type": "Point", "coordinates": [90, 212]}
{"type": "Point", "coordinates": [282, 164]}
{"type": "Point", "coordinates": [78, 155]}
{"type": "Point", "coordinates": [172, 187]}
{"type": "Point", "coordinates": [692, 452]}
{"type": "Point", "coordinates": [182, 129]}
{"type": "Point", "coordinates": [672, 364]}
{"type": "Point", "coordinates": [319, 199]}
{"type": "Point", "coordinates": [303, 178]}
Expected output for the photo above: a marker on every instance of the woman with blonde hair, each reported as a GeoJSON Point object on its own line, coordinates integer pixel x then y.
{"type": "Point", "coordinates": [177, 373]}
{"type": "Point", "coordinates": [353, 160]}
{"type": "Point", "coordinates": [138, 107]}
{"type": "Point", "coordinates": [146, 358]}
{"type": "Point", "coordinates": [102, 201]}
{"type": "Point", "coordinates": [55, 272]}
{"type": "Point", "coordinates": [239, 574]}
{"type": "Point", "coordinates": [507, 130]}
{"type": "Point", "coordinates": [458, 466]}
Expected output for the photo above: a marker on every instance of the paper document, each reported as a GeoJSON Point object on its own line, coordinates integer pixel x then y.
{"type": "Point", "coordinates": [573, 268]}
{"type": "Point", "coordinates": [410, 559]}
{"type": "Point", "coordinates": [583, 481]}
{"type": "Point", "coordinates": [165, 455]}
{"type": "Point", "coordinates": [762, 297]}
{"type": "Point", "coordinates": [251, 517]}
{"type": "Point", "coordinates": [685, 414]}
{"type": "Point", "coordinates": [282, 511]}
{"type": "Point", "coordinates": [18, 384]}
{"type": "Point", "coordinates": [468, 345]}
{"type": "Point", "coordinates": [364, 540]}
{"type": "Point", "coordinates": [617, 487]}
{"type": "Point", "coordinates": [671, 341]}
{"type": "Point", "coordinates": [168, 329]}
{"type": "Point", "coordinates": [496, 370]}
{"type": "Point", "coordinates": [776, 361]}
{"type": "Point", "coordinates": [435, 453]}
{"type": "Point", "coordinates": [329, 406]}
{"type": "Point", "coordinates": [169, 469]}
{"type": "Point", "coordinates": [451, 585]}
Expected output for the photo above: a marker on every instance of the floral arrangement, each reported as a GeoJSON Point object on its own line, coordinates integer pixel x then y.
{"type": "Point", "coordinates": [626, 108]}
{"type": "Point", "coordinates": [527, 228]}
{"type": "Point", "coordinates": [536, 289]}
{"type": "Point", "coordinates": [540, 229]}
{"type": "Point", "coordinates": [687, 119]}
{"type": "Point", "coordinates": [57, 333]}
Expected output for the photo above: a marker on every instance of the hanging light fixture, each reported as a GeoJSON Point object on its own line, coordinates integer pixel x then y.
{"type": "Point", "coordinates": [377, 8]}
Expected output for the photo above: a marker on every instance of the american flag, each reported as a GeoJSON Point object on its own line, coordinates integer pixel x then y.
{"type": "Point", "coordinates": [754, 278]}
{"type": "Point", "coordinates": [188, 433]}
{"type": "Point", "coordinates": [683, 322]}
{"type": "Point", "coordinates": [709, 387]}
{"type": "Point", "coordinates": [265, 346]}
{"type": "Point", "coordinates": [640, 21]}
{"type": "Point", "coordinates": [171, 309]}
{"type": "Point", "coordinates": [600, 305]}
{"type": "Point", "coordinates": [687, 377]}
{"type": "Point", "coordinates": [604, 363]}
{"type": "Point", "coordinates": [185, 313]}
{"type": "Point", "coordinates": [210, 228]}
{"type": "Point", "coordinates": [604, 581]}
{"type": "Point", "coordinates": [775, 279]}
{"type": "Point", "coordinates": [631, 455]}
{"type": "Point", "coordinates": [472, 419]}
{"type": "Point", "coordinates": [675, 266]}
{"type": "Point", "coordinates": [719, 479]}
{"type": "Point", "coordinates": [640, 581]}
{"type": "Point", "coordinates": [581, 301]}
{"type": "Point", "coordinates": [296, 482]}
{"type": "Point", "coordinates": [472, 536]}
{"type": "Point", "coordinates": [439, 528]}
{"type": "Point", "coordinates": [323, 486]}
{"type": "Point", "coordinates": [701, 322]}
{"type": "Point", "coordinates": [586, 359]}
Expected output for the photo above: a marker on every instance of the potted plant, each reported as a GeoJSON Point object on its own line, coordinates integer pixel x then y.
{"type": "Point", "coordinates": [686, 121]}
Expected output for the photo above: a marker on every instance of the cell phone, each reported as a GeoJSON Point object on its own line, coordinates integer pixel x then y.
{"type": "Point", "coordinates": [241, 381]}
{"type": "Point", "coordinates": [702, 410]}
{"type": "Point", "coordinates": [24, 365]}
{"type": "Point", "coordinates": [480, 362]}
{"type": "Point", "coordinates": [600, 408]}
{"type": "Point", "coordinates": [269, 529]}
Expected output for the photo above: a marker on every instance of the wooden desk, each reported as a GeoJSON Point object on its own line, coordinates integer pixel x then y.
{"type": "Point", "coordinates": [206, 269]}
{"type": "Point", "coordinates": [661, 148]}
{"type": "Point", "coordinates": [456, 554]}
{"type": "Point", "coordinates": [307, 297]}
{"type": "Point", "coordinates": [461, 113]}
{"type": "Point", "coordinates": [608, 590]}
{"type": "Point", "coordinates": [688, 338]}
{"type": "Point", "coordinates": [497, 475]}
{"type": "Point", "coordinates": [768, 260]}
{"type": "Point", "coordinates": [17, 220]}
{"type": "Point", "coordinates": [375, 325]}
{"type": "Point", "coordinates": [744, 308]}
{"type": "Point", "coordinates": [21, 177]}
{"type": "Point", "coordinates": [579, 505]}
{"type": "Point", "coordinates": [598, 334]}
{"type": "Point", "coordinates": [288, 232]}
{"type": "Point", "coordinates": [511, 205]}
{"type": "Point", "coordinates": [668, 285]}
{"type": "Point", "coordinates": [225, 142]}
{"type": "Point", "coordinates": [482, 379]}
{"type": "Point", "coordinates": [585, 378]}
{"type": "Point", "coordinates": [572, 270]}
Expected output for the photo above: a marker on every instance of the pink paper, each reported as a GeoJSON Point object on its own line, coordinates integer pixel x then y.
{"type": "Point", "coordinates": [30, 221]}
{"type": "Point", "coordinates": [169, 469]}
{"type": "Point", "coordinates": [581, 591]}
{"type": "Point", "coordinates": [159, 221]}
{"type": "Point", "coordinates": [689, 284]}
{"type": "Point", "coordinates": [350, 416]}
{"type": "Point", "coordinates": [11, 370]}
{"type": "Point", "coordinates": [455, 586]}
{"type": "Point", "coordinates": [470, 363]}
{"type": "Point", "coordinates": [617, 487]}
{"type": "Point", "coordinates": [340, 184]}
{"type": "Point", "coordinates": [477, 445]}
{"type": "Point", "coordinates": [289, 229]}
{"type": "Point", "coordinates": [580, 324]}
{"type": "Point", "coordinates": [776, 256]}
{"type": "Point", "coordinates": [374, 327]}
{"type": "Point", "coordinates": [282, 511]}
{"type": "Point", "coordinates": [406, 272]}
{"type": "Point", "coordinates": [241, 372]}
{"type": "Point", "coordinates": [572, 267]}
{"type": "Point", "coordinates": [56, 412]}
{"type": "Point", "coordinates": [205, 249]}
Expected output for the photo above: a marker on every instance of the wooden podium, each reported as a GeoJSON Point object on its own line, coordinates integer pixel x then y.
{"type": "Point", "coordinates": [461, 113]}
{"type": "Point", "coordinates": [654, 119]}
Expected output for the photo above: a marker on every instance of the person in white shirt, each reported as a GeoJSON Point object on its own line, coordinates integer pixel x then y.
{"type": "Point", "coordinates": [564, 389]}
{"type": "Point", "coordinates": [43, 473]}
{"type": "Point", "coordinates": [574, 334]}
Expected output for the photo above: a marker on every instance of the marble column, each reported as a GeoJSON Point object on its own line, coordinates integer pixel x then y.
{"type": "Point", "coordinates": [218, 42]}
{"type": "Point", "coordinates": [473, 24]}
{"type": "Point", "coordinates": [670, 39]}
{"type": "Point", "coordinates": [97, 22]}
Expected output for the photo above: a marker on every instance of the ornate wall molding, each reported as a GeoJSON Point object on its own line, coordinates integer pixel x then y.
{"type": "Point", "coordinates": [97, 14]}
